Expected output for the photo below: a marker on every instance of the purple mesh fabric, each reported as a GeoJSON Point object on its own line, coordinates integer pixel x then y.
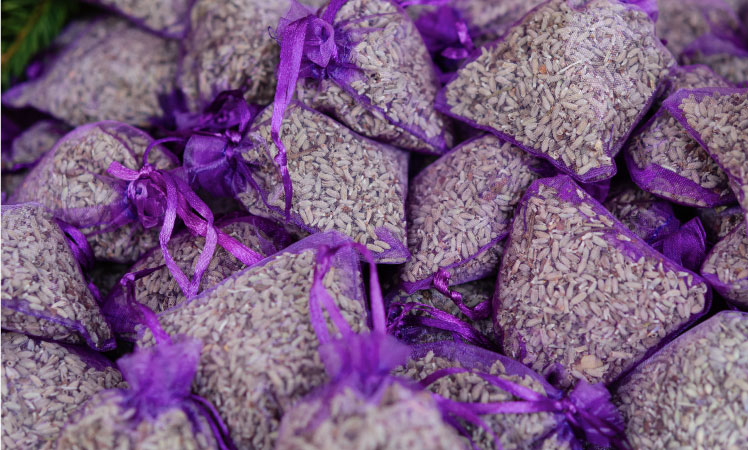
{"type": "Point", "coordinates": [389, 98]}
{"type": "Point", "coordinates": [731, 104]}
{"type": "Point", "coordinates": [686, 247]}
{"type": "Point", "coordinates": [157, 407]}
{"type": "Point", "coordinates": [574, 338]}
{"type": "Point", "coordinates": [26, 149]}
{"type": "Point", "coordinates": [166, 18]}
{"type": "Point", "coordinates": [663, 159]}
{"type": "Point", "coordinates": [107, 69]}
{"type": "Point", "coordinates": [647, 216]}
{"type": "Point", "coordinates": [72, 182]}
{"type": "Point", "coordinates": [579, 144]}
{"type": "Point", "coordinates": [459, 209]}
{"type": "Point", "coordinates": [44, 292]}
{"type": "Point", "coordinates": [726, 267]}
{"type": "Point", "coordinates": [360, 185]}
{"type": "Point", "coordinates": [725, 57]}
{"type": "Point", "coordinates": [691, 378]}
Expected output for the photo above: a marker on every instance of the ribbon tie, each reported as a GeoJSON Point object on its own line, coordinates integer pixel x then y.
{"type": "Point", "coordinates": [441, 283]}
{"type": "Point", "coordinates": [159, 197]}
{"type": "Point", "coordinates": [445, 33]}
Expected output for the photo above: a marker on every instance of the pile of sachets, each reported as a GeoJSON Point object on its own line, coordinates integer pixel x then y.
{"type": "Point", "coordinates": [379, 224]}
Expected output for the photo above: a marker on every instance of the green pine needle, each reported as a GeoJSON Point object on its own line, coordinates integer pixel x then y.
{"type": "Point", "coordinates": [29, 26]}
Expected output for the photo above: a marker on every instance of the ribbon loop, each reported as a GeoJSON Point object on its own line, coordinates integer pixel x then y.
{"type": "Point", "coordinates": [441, 283]}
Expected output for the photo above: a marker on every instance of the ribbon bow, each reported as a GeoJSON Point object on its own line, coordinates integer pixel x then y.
{"type": "Point", "coordinates": [158, 197]}
{"type": "Point", "coordinates": [82, 252]}
{"type": "Point", "coordinates": [587, 408]}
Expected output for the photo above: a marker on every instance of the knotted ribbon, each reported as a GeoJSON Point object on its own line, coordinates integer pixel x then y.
{"type": "Point", "coordinates": [441, 283]}
{"type": "Point", "coordinates": [159, 197]}
{"type": "Point", "coordinates": [587, 408]}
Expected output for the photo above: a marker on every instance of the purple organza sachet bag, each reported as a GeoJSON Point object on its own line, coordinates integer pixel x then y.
{"type": "Point", "coordinates": [156, 409]}
{"type": "Point", "coordinates": [726, 267]}
{"type": "Point", "coordinates": [700, 378]}
{"type": "Point", "coordinates": [564, 84]}
{"type": "Point", "coordinates": [459, 210]}
{"type": "Point", "coordinates": [44, 293]}
{"type": "Point", "coordinates": [716, 118]}
{"type": "Point", "coordinates": [107, 69]}
{"type": "Point", "coordinates": [364, 63]}
{"type": "Point", "coordinates": [579, 296]}
{"type": "Point", "coordinates": [663, 159]}
{"type": "Point", "coordinates": [43, 384]}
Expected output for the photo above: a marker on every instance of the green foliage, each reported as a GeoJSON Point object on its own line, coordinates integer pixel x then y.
{"type": "Point", "coordinates": [28, 27]}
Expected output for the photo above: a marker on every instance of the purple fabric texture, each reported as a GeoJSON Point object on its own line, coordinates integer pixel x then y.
{"type": "Point", "coordinates": [667, 182]}
{"type": "Point", "coordinates": [688, 246]}
{"type": "Point", "coordinates": [87, 322]}
{"type": "Point", "coordinates": [610, 139]}
{"type": "Point", "coordinates": [583, 413]}
{"type": "Point", "coordinates": [719, 221]}
{"type": "Point", "coordinates": [737, 172]}
{"type": "Point", "coordinates": [321, 47]}
{"type": "Point", "coordinates": [166, 18]}
{"type": "Point", "coordinates": [160, 379]}
{"type": "Point", "coordinates": [726, 268]}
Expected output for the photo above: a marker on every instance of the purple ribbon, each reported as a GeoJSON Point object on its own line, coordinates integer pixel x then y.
{"type": "Point", "coordinates": [445, 32]}
{"type": "Point", "coordinates": [441, 283]}
{"type": "Point", "coordinates": [587, 408]}
{"type": "Point", "coordinates": [158, 197]}
{"type": "Point", "coordinates": [82, 253]}
{"type": "Point", "coordinates": [308, 50]}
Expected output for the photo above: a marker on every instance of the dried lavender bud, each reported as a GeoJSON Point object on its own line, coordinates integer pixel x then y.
{"type": "Point", "coordinates": [568, 84]}
{"type": "Point", "coordinates": [577, 288]}
{"type": "Point", "coordinates": [111, 70]}
{"type": "Point", "coordinates": [647, 216]}
{"type": "Point", "coordinates": [30, 146]}
{"type": "Point", "coordinates": [42, 384]}
{"type": "Point", "coordinates": [341, 181]}
{"type": "Point", "coordinates": [260, 353]}
{"type": "Point", "coordinates": [401, 418]}
{"type": "Point", "coordinates": [663, 158]}
{"type": "Point", "coordinates": [679, 22]}
{"type": "Point", "coordinates": [393, 99]}
{"type": "Point", "coordinates": [472, 293]}
{"type": "Point", "coordinates": [43, 291]}
{"type": "Point", "coordinates": [718, 120]}
{"type": "Point", "coordinates": [726, 267]}
{"type": "Point", "coordinates": [169, 18]}
{"type": "Point", "coordinates": [104, 423]}
{"type": "Point", "coordinates": [515, 431]}
{"type": "Point", "coordinates": [720, 220]}
{"type": "Point", "coordinates": [71, 181]}
{"type": "Point", "coordinates": [461, 206]}
{"type": "Point", "coordinates": [160, 291]}
{"type": "Point", "coordinates": [692, 393]}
